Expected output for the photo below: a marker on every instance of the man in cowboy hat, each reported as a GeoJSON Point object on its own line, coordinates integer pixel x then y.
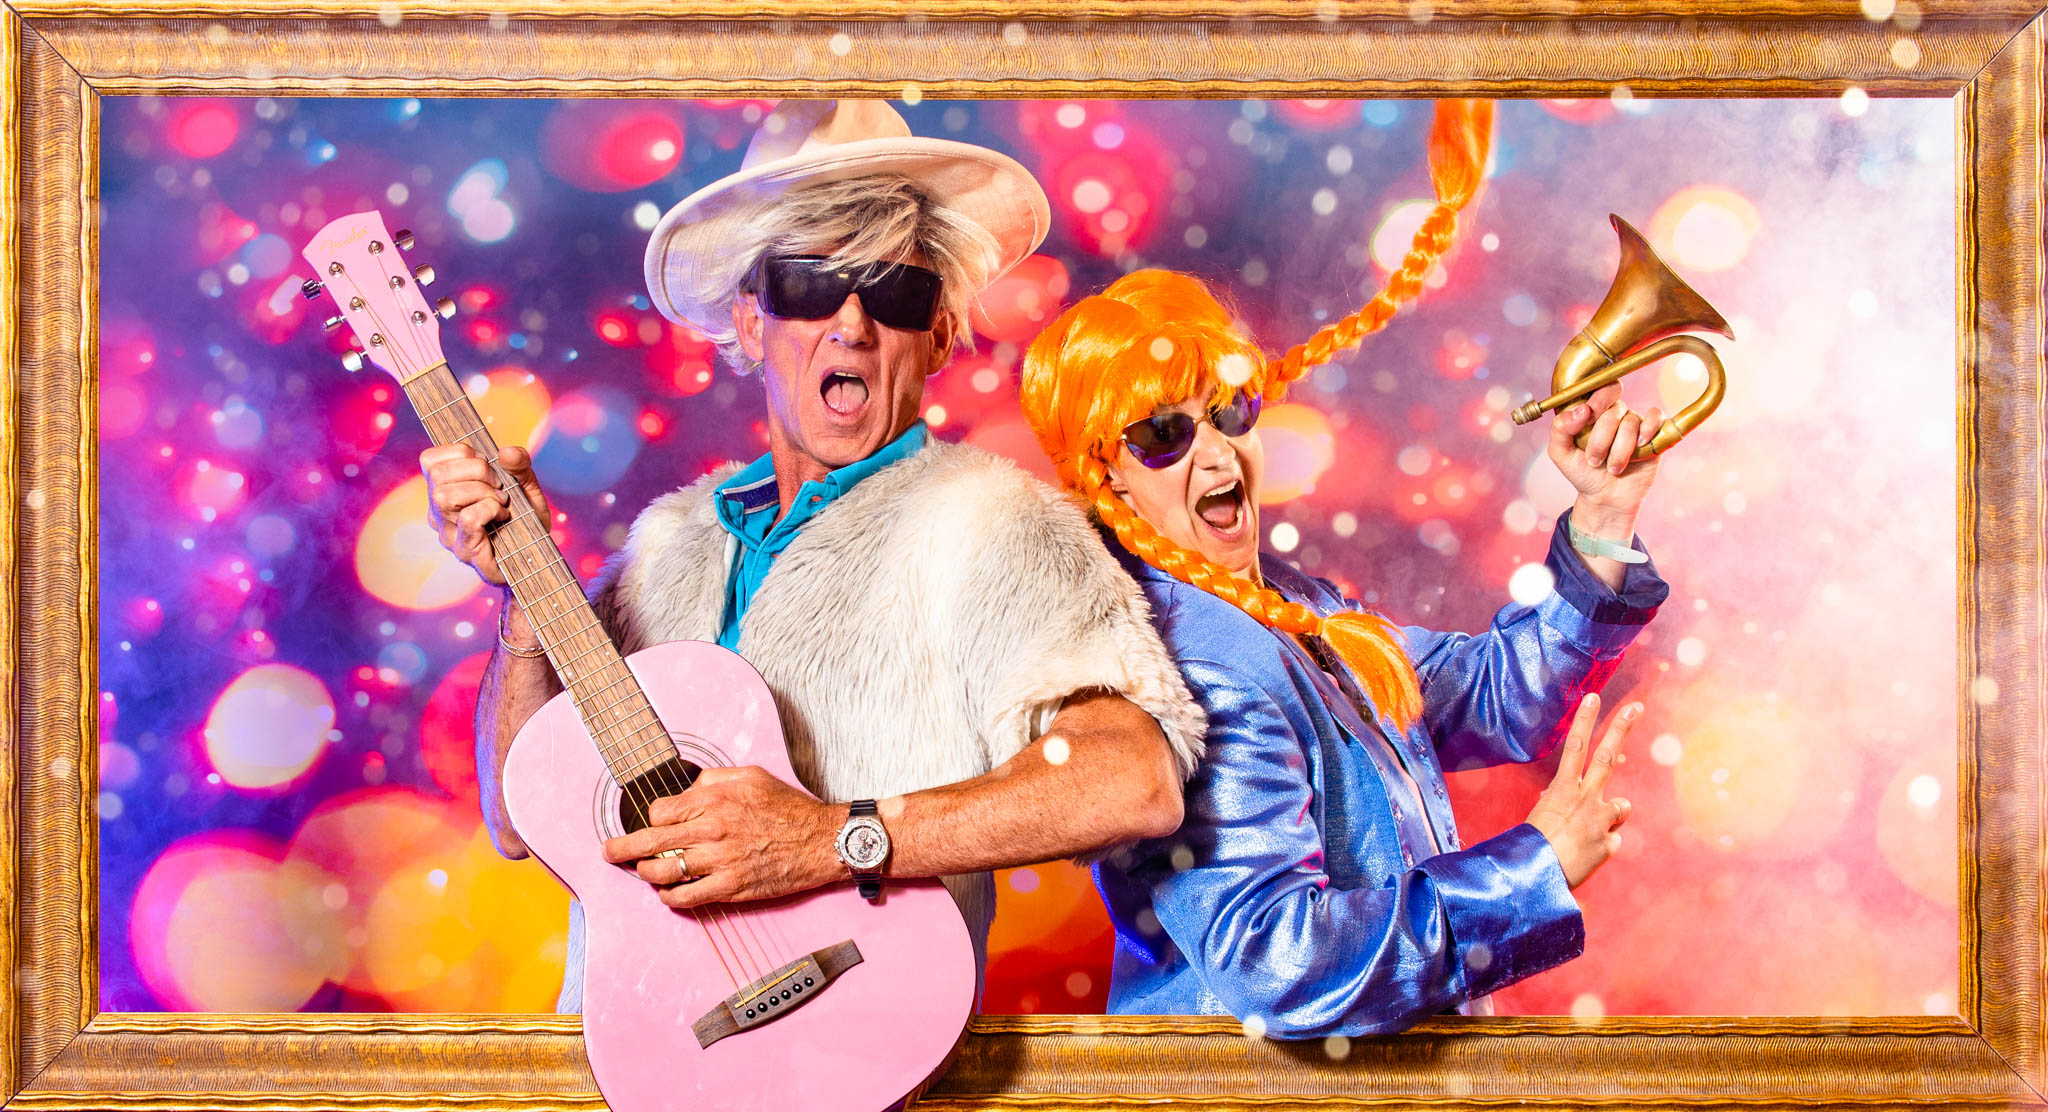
{"type": "Point", "coordinates": [954, 655]}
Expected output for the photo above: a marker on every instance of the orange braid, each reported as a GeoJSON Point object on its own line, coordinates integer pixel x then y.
{"type": "Point", "coordinates": [1458, 144]}
{"type": "Point", "coordinates": [1368, 644]}
{"type": "Point", "coordinates": [1099, 367]}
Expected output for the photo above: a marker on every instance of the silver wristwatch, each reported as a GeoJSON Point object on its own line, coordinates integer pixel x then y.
{"type": "Point", "coordinates": [863, 845]}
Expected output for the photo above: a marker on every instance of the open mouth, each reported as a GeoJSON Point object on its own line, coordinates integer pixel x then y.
{"type": "Point", "coordinates": [844, 393]}
{"type": "Point", "coordinates": [1222, 508]}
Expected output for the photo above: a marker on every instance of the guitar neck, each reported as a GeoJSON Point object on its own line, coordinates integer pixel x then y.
{"type": "Point", "coordinates": [614, 709]}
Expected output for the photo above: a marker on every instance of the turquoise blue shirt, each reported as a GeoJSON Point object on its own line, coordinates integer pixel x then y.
{"type": "Point", "coordinates": [746, 506]}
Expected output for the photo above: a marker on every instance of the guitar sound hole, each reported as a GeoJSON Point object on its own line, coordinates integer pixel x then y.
{"type": "Point", "coordinates": [668, 778]}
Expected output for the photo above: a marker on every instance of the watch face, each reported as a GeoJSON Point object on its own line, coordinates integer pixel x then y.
{"type": "Point", "coordinates": [863, 844]}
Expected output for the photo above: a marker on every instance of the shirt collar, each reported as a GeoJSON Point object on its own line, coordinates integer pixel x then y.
{"type": "Point", "coordinates": [746, 503]}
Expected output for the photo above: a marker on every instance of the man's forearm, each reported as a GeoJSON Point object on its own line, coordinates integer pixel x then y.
{"type": "Point", "coordinates": [513, 688]}
{"type": "Point", "coordinates": [1103, 775]}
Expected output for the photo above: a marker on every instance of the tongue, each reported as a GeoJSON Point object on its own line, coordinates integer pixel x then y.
{"type": "Point", "coordinates": [1219, 510]}
{"type": "Point", "coordinates": [845, 394]}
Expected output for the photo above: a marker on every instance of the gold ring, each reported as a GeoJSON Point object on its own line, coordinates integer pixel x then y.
{"type": "Point", "coordinates": [678, 855]}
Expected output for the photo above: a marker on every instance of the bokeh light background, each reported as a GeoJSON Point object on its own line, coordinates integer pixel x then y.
{"type": "Point", "coordinates": [289, 661]}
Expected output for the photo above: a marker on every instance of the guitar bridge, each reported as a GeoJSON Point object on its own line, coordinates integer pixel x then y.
{"type": "Point", "coordinates": [776, 994]}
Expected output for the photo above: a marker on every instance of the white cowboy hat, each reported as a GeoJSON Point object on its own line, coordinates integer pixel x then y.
{"type": "Point", "coordinates": [804, 142]}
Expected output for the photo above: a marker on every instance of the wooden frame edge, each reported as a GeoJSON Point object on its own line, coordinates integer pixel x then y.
{"type": "Point", "coordinates": [10, 488]}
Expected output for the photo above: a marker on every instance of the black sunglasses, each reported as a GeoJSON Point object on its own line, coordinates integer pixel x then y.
{"type": "Point", "coordinates": [1160, 441]}
{"type": "Point", "coordinates": [812, 287]}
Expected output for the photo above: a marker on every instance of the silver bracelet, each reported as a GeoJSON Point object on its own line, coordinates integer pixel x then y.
{"type": "Point", "coordinates": [516, 650]}
{"type": "Point", "coordinates": [1594, 546]}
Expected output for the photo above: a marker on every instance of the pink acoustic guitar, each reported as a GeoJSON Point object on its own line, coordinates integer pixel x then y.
{"type": "Point", "coordinates": [816, 1001]}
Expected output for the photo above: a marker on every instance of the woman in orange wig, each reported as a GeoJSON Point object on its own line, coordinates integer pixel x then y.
{"type": "Point", "coordinates": [1317, 886]}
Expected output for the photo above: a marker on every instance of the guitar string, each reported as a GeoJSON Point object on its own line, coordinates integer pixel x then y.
{"type": "Point", "coordinates": [642, 802]}
{"type": "Point", "coordinates": [745, 928]}
{"type": "Point", "coordinates": [420, 322]}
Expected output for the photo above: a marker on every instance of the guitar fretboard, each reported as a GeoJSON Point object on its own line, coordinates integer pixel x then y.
{"type": "Point", "coordinates": [608, 698]}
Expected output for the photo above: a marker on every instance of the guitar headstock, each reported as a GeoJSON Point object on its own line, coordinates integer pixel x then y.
{"type": "Point", "coordinates": [357, 263]}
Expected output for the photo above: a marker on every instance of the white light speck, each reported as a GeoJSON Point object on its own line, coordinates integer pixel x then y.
{"type": "Point", "coordinates": [646, 215]}
{"type": "Point", "coordinates": [1855, 101]}
{"type": "Point", "coordinates": [1337, 1047]}
{"type": "Point", "coordinates": [1286, 537]}
{"type": "Point", "coordinates": [1234, 369]}
{"type": "Point", "coordinates": [986, 380]}
{"type": "Point", "coordinates": [840, 43]}
{"type": "Point", "coordinates": [1057, 750]}
{"type": "Point", "coordinates": [1324, 202]}
{"type": "Point", "coordinates": [1984, 691]}
{"type": "Point", "coordinates": [1905, 54]}
{"type": "Point", "coordinates": [1161, 348]}
{"type": "Point", "coordinates": [1531, 584]}
{"type": "Point", "coordinates": [1489, 242]}
{"type": "Point", "coordinates": [1414, 459]}
{"type": "Point", "coordinates": [1254, 1027]}
{"type": "Point", "coordinates": [1338, 159]}
{"type": "Point", "coordinates": [1588, 1008]}
{"type": "Point", "coordinates": [1667, 750]}
{"type": "Point", "coordinates": [1877, 11]}
{"type": "Point", "coordinates": [1734, 503]}
{"type": "Point", "coordinates": [1070, 115]}
{"type": "Point", "coordinates": [1519, 516]}
{"type": "Point", "coordinates": [1924, 792]}
{"type": "Point", "coordinates": [1091, 195]}
{"type": "Point", "coordinates": [1344, 524]}
{"type": "Point", "coordinates": [437, 879]}
{"type": "Point", "coordinates": [1691, 652]}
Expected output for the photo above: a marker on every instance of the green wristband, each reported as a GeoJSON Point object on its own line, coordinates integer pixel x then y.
{"type": "Point", "coordinates": [1594, 546]}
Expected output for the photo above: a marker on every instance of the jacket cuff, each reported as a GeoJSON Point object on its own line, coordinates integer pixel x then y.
{"type": "Point", "coordinates": [1642, 589]}
{"type": "Point", "coordinates": [1511, 914]}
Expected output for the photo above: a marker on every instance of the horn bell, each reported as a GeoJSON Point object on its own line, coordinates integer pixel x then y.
{"type": "Point", "coordinates": [1647, 302]}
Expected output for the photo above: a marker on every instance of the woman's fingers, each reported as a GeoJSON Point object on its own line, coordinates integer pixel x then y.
{"type": "Point", "coordinates": [1602, 764]}
{"type": "Point", "coordinates": [1627, 435]}
{"type": "Point", "coordinates": [1571, 763]}
{"type": "Point", "coordinates": [1600, 441]}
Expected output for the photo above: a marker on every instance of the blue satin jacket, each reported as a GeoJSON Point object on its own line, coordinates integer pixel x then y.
{"type": "Point", "coordinates": [1305, 886]}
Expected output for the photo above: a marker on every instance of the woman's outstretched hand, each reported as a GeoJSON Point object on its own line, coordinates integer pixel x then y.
{"type": "Point", "coordinates": [1582, 826]}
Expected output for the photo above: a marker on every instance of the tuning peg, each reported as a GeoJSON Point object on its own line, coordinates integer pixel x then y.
{"type": "Point", "coordinates": [312, 288]}
{"type": "Point", "coordinates": [445, 307]}
{"type": "Point", "coordinates": [353, 360]}
{"type": "Point", "coordinates": [334, 322]}
{"type": "Point", "coordinates": [403, 239]}
{"type": "Point", "coordinates": [423, 274]}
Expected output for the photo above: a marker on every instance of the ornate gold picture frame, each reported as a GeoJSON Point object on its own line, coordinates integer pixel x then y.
{"type": "Point", "coordinates": [58, 57]}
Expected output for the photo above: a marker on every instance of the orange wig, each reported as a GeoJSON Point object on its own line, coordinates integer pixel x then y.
{"type": "Point", "coordinates": [1155, 338]}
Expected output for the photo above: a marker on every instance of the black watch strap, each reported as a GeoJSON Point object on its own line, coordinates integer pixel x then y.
{"type": "Point", "coordinates": [869, 880]}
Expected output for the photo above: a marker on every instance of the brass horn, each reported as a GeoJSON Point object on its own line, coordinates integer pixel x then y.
{"type": "Point", "coordinates": [1643, 320]}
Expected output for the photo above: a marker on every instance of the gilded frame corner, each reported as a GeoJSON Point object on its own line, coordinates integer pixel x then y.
{"type": "Point", "coordinates": [58, 57]}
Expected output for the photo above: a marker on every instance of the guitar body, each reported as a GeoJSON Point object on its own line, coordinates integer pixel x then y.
{"type": "Point", "coordinates": [816, 1001]}
{"type": "Point", "coordinates": [861, 1043]}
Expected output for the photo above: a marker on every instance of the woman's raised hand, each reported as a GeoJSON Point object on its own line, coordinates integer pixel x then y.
{"type": "Point", "coordinates": [1611, 488]}
{"type": "Point", "coordinates": [1582, 826]}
